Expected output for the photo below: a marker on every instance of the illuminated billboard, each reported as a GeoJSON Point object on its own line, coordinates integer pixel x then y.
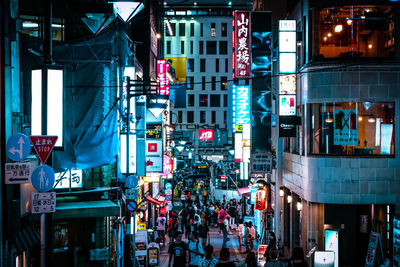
{"type": "Point", "coordinates": [241, 105]}
{"type": "Point", "coordinates": [163, 80]}
{"type": "Point", "coordinates": [238, 147]}
{"type": "Point", "coordinates": [206, 135]}
{"type": "Point", "coordinates": [177, 69]}
{"type": "Point", "coordinates": [154, 159]}
{"type": "Point", "coordinates": [287, 105]}
{"type": "Point", "coordinates": [287, 84]}
{"type": "Point", "coordinates": [242, 44]}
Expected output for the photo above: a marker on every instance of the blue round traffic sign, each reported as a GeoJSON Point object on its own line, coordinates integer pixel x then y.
{"type": "Point", "coordinates": [131, 205]}
{"type": "Point", "coordinates": [131, 181]}
{"type": "Point", "coordinates": [18, 147]}
{"type": "Point", "coordinates": [168, 186]}
{"type": "Point", "coordinates": [43, 178]}
{"type": "Point", "coordinates": [168, 198]}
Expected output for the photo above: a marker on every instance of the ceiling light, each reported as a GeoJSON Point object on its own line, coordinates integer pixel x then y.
{"type": "Point", "coordinates": [158, 36]}
{"type": "Point", "coordinates": [127, 10]}
{"type": "Point", "coordinates": [29, 24]}
{"type": "Point", "coordinates": [289, 199]}
{"type": "Point", "coordinates": [349, 22]}
{"type": "Point", "coordinates": [371, 119]}
{"type": "Point", "coordinates": [369, 46]}
{"type": "Point", "coordinates": [325, 38]}
{"type": "Point", "coordinates": [299, 205]}
{"type": "Point", "coordinates": [360, 118]}
{"type": "Point", "coordinates": [329, 119]}
{"type": "Point", "coordinates": [329, 34]}
{"type": "Point", "coordinates": [338, 28]}
{"type": "Point", "coordinates": [281, 192]}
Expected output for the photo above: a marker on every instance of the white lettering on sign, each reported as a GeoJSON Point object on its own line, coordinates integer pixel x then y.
{"type": "Point", "coordinates": [206, 135]}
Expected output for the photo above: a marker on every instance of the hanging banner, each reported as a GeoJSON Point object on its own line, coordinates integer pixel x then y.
{"type": "Point", "coordinates": [162, 77]}
{"type": "Point", "coordinates": [242, 44]}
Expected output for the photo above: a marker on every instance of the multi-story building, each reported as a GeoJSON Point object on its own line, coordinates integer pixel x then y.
{"type": "Point", "coordinates": [198, 41]}
{"type": "Point", "coordinates": [341, 171]}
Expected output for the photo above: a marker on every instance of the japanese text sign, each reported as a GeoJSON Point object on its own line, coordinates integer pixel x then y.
{"type": "Point", "coordinates": [241, 105]}
{"type": "Point", "coordinates": [43, 145]}
{"type": "Point", "coordinates": [242, 44]}
{"type": "Point", "coordinates": [43, 202]}
{"type": "Point", "coordinates": [162, 70]}
{"type": "Point", "coordinates": [206, 135]}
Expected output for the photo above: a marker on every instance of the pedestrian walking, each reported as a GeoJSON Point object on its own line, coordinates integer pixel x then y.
{"type": "Point", "coordinates": [183, 199]}
{"type": "Point", "coordinates": [172, 226]}
{"type": "Point", "coordinates": [161, 220]}
{"type": "Point", "coordinates": [224, 233]}
{"type": "Point", "coordinates": [271, 244]}
{"type": "Point", "coordinates": [177, 251]}
{"type": "Point", "coordinates": [232, 216]}
{"type": "Point", "coordinates": [251, 259]}
{"type": "Point", "coordinates": [208, 260]}
{"type": "Point", "coordinates": [298, 258]}
{"type": "Point", "coordinates": [196, 251]}
{"type": "Point", "coordinates": [204, 233]}
{"type": "Point", "coordinates": [222, 215]}
{"type": "Point", "coordinates": [274, 261]}
{"type": "Point", "coordinates": [224, 257]}
{"type": "Point", "coordinates": [250, 236]}
{"type": "Point", "coordinates": [184, 221]}
{"type": "Point", "coordinates": [240, 232]}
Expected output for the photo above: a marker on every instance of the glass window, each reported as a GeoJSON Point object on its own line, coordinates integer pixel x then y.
{"type": "Point", "coordinates": [213, 83]}
{"type": "Point", "coordinates": [354, 31]}
{"type": "Point", "coordinates": [202, 65]}
{"type": "Point", "coordinates": [190, 100]}
{"type": "Point", "coordinates": [225, 115]}
{"type": "Point", "coordinates": [201, 47]}
{"type": "Point", "coordinates": [189, 83]}
{"type": "Point", "coordinates": [215, 101]}
{"type": "Point", "coordinates": [224, 83]}
{"type": "Point", "coordinates": [352, 128]}
{"type": "Point", "coordinates": [226, 64]}
{"type": "Point", "coordinates": [211, 47]}
{"type": "Point", "coordinates": [180, 116]}
{"type": "Point", "coordinates": [182, 47]}
{"type": "Point", "coordinates": [217, 65]}
{"type": "Point", "coordinates": [203, 100]}
{"type": "Point", "coordinates": [224, 30]}
{"type": "Point", "coordinates": [213, 116]}
{"type": "Point", "coordinates": [201, 29]}
{"type": "Point", "coordinates": [190, 117]}
{"type": "Point", "coordinates": [168, 47]}
{"type": "Point", "coordinates": [182, 27]}
{"type": "Point", "coordinates": [191, 65]}
{"type": "Point", "coordinates": [203, 83]}
{"type": "Point", "coordinates": [225, 101]}
{"type": "Point", "coordinates": [212, 29]}
{"type": "Point", "coordinates": [202, 117]}
{"type": "Point", "coordinates": [170, 28]}
{"type": "Point", "coordinates": [191, 29]}
{"type": "Point", "coordinates": [223, 47]}
{"type": "Point", "coordinates": [191, 47]}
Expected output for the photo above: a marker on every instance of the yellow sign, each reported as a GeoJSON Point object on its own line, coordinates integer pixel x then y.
{"type": "Point", "coordinates": [141, 226]}
{"type": "Point", "coordinates": [245, 143]}
{"type": "Point", "coordinates": [239, 128]}
{"type": "Point", "coordinates": [177, 68]}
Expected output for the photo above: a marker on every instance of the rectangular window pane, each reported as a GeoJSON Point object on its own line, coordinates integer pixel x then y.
{"type": "Point", "coordinates": [191, 29]}
{"type": "Point", "coordinates": [224, 29]}
{"type": "Point", "coordinates": [170, 28]}
{"type": "Point", "coordinates": [168, 47]}
{"type": "Point", "coordinates": [191, 47]}
{"type": "Point", "coordinates": [215, 101]}
{"type": "Point", "coordinates": [202, 117]}
{"type": "Point", "coordinates": [224, 83]}
{"type": "Point", "coordinates": [213, 116]}
{"type": "Point", "coordinates": [225, 115]}
{"type": "Point", "coordinates": [189, 83]}
{"type": "Point", "coordinates": [226, 65]}
{"type": "Point", "coordinates": [201, 29]}
{"type": "Point", "coordinates": [223, 47]}
{"type": "Point", "coordinates": [55, 104]}
{"type": "Point", "coordinates": [182, 47]}
{"type": "Point", "coordinates": [203, 100]}
{"type": "Point", "coordinates": [190, 117]}
{"type": "Point", "coordinates": [213, 83]}
{"type": "Point", "coordinates": [217, 65]}
{"type": "Point", "coordinates": [203, 83]}
{"type": "Point", "coordinates": [182, 27]}
{"type": "Point", "coordinates": [202, 65]}
{"type": "Point", "coordinates": [211, 47]}
{"type": "Point", "coordinates": [190, 100]}
{"type": "Point", "coordinates": [201, 47]}
{"type": "Point", "coordinates": [225, 101]}
{"type": "Point", "coordinates": [212, 29]}
{"type": "Point", "coordinates": [353, 128]}
{"type": "Point", "coordinates": [191, 65]}
{"type": "Point", "coordinates": [179, 116]}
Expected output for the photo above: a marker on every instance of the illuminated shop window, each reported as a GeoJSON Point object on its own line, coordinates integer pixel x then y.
{"type": "Point", "coordinates": [354, 31]}
{"type": "Point", "coordinates": [352, 128]}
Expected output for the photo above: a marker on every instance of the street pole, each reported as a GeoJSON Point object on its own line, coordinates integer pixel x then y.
{"type": "Point", "coordinates": [42, 241]}
{"type": "Point", "coordinates": [134, 240]}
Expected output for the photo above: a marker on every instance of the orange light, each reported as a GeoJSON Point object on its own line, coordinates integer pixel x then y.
{"type": "Point", "coordinates": [329, 34]}
{"type": "Point", "coordinates": [360, 118]}
{"type": "Point", "coordinates": [369, 46]}
{"type": "Point", "coordinates": [338, 28]}
{"type": "Point", "coordinates": [349, 22]}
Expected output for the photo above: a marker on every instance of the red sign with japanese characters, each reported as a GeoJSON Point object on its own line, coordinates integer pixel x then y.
{"type": "Point", "coordinates": [43, 145]}
{"type": "Point", "coordinates": [242, 44]}
{"type": "Point", "coordinates": [261, 199]}
{"type": "Point", "coordinates": [206, 135]}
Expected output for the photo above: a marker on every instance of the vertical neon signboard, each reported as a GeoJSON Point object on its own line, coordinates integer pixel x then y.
{"type": "Point", "coordinates": [162, 68]}
{"type": "Point", "coordinates": [241, 98]}
{"type": "Point", "coordinates": [242, 44]}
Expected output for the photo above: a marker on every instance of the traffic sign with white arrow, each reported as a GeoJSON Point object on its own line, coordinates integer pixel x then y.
{"type": "Point", "coordinates": [18, 147]}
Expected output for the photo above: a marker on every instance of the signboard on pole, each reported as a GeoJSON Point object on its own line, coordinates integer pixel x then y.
{"type": "Point", "coordinates": [43, 178]}
{"type": "Point", "coordinates": [43, 202]}
{"type": "Point", "coordinates": [131, 205]}
{"type": "Point", "coordinates": [18, 147]}
{"type": "Point", "coordinates": [43, 145]}
{"type": "Point", "coordinates": [261, 251]}
{"type": "Point", "coordinates": [223, 178]}
{"type": "Point", "coordinates": [18, 173]}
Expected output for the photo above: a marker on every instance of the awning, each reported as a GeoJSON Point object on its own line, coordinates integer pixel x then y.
{"type": "Point", "coordinates": [86, 209]}
{"type": "Point", "coordinates": [152, 200]}
{"type": "Point", "coordinates": [244, 190]}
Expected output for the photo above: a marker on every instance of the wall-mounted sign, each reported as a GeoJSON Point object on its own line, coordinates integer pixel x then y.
{"type": "Point", "coordinates": [287, 105]}
{"type": "Point", "coordinates": [153, 130]}
{"type": "Point", "coordinates": [261, 162]}
{"type": "Point", "coordinates": [238, 147]}
{"type": "Point", "coordinates": [287, 125]}
{"type": "Point", "coordinates": [43, 202]}
{"type": "Point", "coordinates": [206, 135]}
{"type": "Point", "coordinates": [168, 165]}
{"type": "Point", "coordinates": [287, 41]}
{"type": "Point", "coordinates": [261, 199]}
{"type": "Point", "coordinates": [332, 244]}
{"type": "Point", "coordinates": [345, 127]}
{"type": "Point", "coordinates": [287, 62]}
{"type": "Point", "coordinates": [162, 77]}
{"type": "Point", "coordinates": [18, 173]}
{"type": "Point", "coordinates": [287, 25]}
{"type": "Point", "coordinates": [242, 107]}
{"type": "Point", "coordinates": [287, 84]}
{"type": "Point", "coordinates": [242, 44]}
{"type": "Point", "coordinates": [63, 179]}
{"type": "Point", "coordinates": [153, 147]}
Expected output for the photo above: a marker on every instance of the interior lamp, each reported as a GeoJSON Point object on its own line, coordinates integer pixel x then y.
{"type": "Point", "coordinates": [156, 108]}
{"type": "Point", "coordinates": [281, 192]}
{"type": "Point", "coordinates": [338, 28]}
{"type": "Point", "coordinates": [127, 10]}
{"type": "Point", "coordinates": [289, 199]}
{"type": "Point", "coordinates": [299, 205]}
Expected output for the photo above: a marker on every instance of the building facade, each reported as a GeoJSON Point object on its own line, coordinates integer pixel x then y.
{"type": "Point", "coordinates": [341, 171]}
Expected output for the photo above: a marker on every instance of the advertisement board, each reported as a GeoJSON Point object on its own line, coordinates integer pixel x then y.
{"type": "Point", "coordinates": [287, 84]}
{"type": "Point", "coordinates": [154, 159]}
{"type": "Point", "coordinates": [162, 77]}
{"type": "Point", "coordinates": [332, 244]}
{"type": "Point", "coordinates": [324, 259]}
{"type": "Point", "coordinates": [238, 147]}
{"type": "Point", "coordinates": [206, 135]}
{"type": "Point", "coordinates": [242, 44]}
{"type": "Point", "coordinates": [154, 130]}
{"type": "Point", "coordinates": [69, 179]}
{"type": "Point", "coordinates": [345, 127]}
{"type": "Point", "coordinates": [287, 105]}
{"type": "Point", "coordinates": [177, 69]}
{"type": "Point", "coordinates": [287, 125]}
{"type": "Point", "coordinates": [242, 105]}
